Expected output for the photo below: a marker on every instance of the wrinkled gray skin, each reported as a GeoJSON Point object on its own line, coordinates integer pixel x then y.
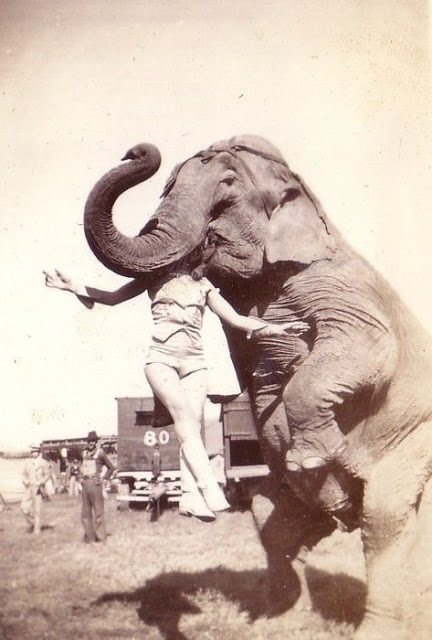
{"type": "Point", "coordinates": [274, 254]}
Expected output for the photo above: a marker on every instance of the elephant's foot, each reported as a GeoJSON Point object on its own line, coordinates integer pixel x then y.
{"type": "Point", "coordinates": [313, 450]}
{"type": "Point", "coordinates": [377, 627]}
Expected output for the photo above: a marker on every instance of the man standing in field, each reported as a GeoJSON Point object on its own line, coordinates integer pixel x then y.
{"type": "Point", "coordinates": [36, 473]}
{"type": "Point", "coordinates": [92, 512]}
{"type": "Point", "coordinates": [74, 472]}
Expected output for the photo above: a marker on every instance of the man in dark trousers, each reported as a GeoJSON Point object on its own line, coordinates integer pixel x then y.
{"type": "Point", "coordinates": [92, 513]}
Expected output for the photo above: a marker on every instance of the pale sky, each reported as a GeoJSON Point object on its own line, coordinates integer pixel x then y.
{"type": "Point", "coordinates": [341, 87]}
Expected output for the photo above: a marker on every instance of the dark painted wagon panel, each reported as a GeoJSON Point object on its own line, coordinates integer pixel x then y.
{"type": "Point", "coordinates": [243, 457]}
{"type": "Point", "coordinates": [139, 441]}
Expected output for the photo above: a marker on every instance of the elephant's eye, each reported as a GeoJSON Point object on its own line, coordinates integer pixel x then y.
{"type": "Point", "coordinates": [290, 194]}
{"type": "Point", "coordinates": [229, 179]}
{"type": "Point", "coordinates": [217, 210]}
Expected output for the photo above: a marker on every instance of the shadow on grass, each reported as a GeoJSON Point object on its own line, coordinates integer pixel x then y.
{"type": "Point", "coordinates": [165, 599]}
{"type": "Point", "coordinates": [337, 596]}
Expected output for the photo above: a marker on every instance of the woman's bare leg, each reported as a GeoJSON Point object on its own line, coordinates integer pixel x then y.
{"type": "Point", "coordinates": [184, 399]}
{"type": "Point", "coordinates": [195, 387]}
{"type": "Point", "coordinates": [192, 501]}
{"type": "Point", "coordinates": [185, 403]}
{"type": "Point", "coordinates": [197, 490]}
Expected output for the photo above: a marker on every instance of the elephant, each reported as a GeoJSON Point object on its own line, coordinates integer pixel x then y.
{"type": "Point", "coordinates": [366, 362]}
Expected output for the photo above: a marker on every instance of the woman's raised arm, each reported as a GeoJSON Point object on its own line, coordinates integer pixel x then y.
{"type": "Point", "coordinates": [89, 295]}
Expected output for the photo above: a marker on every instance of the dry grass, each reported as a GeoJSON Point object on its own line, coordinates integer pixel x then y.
{"type": "Point", "coordinates": [173, 579]}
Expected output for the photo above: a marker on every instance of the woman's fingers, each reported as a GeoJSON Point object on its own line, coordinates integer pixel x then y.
{"type": "Point", "coordinates": [62, 276]}
{"type": "Point", "coordinates": [49, 279]}
{"type": "Point", "coordinates": [56, 279]}
{"type": "Point", "coordinates": [297, 326]}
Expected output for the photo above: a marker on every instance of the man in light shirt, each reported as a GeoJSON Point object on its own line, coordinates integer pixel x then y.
{"type": "Point", "coordinates": [36, 473]}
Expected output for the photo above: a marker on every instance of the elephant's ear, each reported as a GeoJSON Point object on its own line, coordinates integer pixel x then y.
{"type": "Point", "coordinates": [297, 230]}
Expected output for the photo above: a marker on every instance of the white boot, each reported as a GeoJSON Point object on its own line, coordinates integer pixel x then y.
{"type": "Point", "coordinates": [199, 464]}
{"type": "Point", "coordinates": [214, 496]}
{"type": "Point", "coordinates": [192, 502]}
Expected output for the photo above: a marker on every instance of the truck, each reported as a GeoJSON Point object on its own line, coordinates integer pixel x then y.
{"type": "Point", "coordinates": [148, 455]}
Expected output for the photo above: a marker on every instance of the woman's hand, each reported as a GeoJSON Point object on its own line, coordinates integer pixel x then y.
{"type": "Point", "coordinates": [296, 327]}
{"type": "Point", "coordinates": [59, 280]}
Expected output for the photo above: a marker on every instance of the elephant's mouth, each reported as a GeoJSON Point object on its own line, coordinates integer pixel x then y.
{"type": "Point", "coordinates": [238, 258]}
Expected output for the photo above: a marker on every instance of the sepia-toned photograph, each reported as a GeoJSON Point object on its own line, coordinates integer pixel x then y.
{"type": "Point", "coordinates": [216, 320]}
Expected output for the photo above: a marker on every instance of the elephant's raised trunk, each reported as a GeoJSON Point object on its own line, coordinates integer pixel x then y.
{"type": "Point", "coordinates": [116, 251]}
{"type": "Point", "coordinates": [176, 227]}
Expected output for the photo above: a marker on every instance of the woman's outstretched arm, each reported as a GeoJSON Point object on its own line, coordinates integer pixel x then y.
{"type": "Point", "coordinates": [90, 295]}
{"type": "Point", "coordinates": [228, 314]}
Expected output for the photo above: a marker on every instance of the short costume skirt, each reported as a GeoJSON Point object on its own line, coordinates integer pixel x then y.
{"type": "Point", "coordinates": [181, 351]}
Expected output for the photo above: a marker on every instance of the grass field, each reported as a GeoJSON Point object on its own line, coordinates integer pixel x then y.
{"type": "Point", "coordinates": [173, 579]}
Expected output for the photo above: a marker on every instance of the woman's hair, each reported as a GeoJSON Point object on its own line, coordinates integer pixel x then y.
{"type": "Point", "coordinates": [195, 257]}
{"type": "Point", "coordinates": [200, 257]}
{"type": "Point", "coordinates": [187, 263]}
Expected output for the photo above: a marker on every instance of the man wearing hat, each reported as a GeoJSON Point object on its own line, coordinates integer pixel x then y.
{"type": "Point", "coordinates": [92, 512]}
{"type": "Point", "coordinates": [36, 472]}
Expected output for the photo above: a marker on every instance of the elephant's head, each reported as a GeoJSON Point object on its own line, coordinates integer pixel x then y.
{"type": "Point", "coordinates": [238, 194]}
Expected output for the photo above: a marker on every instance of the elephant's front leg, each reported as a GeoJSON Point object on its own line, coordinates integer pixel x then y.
{"type": "Point", "coordinates": [397, 520]}
{"type": "Point", "coordinates": [290, 518]}
{"type": "Point", "coordinates": [288, 529]}
{"type": "Point", "coordinates": [417, 609]}
{"type": "Point", "coordinates": [328, 490]}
